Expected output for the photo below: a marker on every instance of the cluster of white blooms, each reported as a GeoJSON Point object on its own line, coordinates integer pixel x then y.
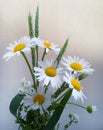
{"type": "Point", "coordinates": [48, 74]}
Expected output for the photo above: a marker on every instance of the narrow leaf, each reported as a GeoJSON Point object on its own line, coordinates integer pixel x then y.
{"type": "Point", "coordinates": [37, 22]}
{"type": "Point", "coordinates": [15, 104]}
{"type": "Point", "coordinates": [61, 53]}
{"type": "Point", "coordinates": [56, 115]}
{"type": "Point", "coordinates": [82, 76]}
{"type": "Point", "coordinates": [31, 32]}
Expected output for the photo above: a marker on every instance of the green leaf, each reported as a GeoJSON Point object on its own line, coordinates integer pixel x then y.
{"type": "Point", "coordinates": [61, 53]}
{"type": "Point", "coordinates": [37, 22]}
{"type": "Point", "coordinates": [15, 104]}
{"type": "Point", "coordinates": [56, 115]}
{"type": "Point", "coordinates": [31, 32]}
{"type": "Point", "coordinates": [82, 76]}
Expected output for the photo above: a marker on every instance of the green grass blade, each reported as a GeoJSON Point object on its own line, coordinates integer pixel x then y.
{"type": "Point", "coordinates": [61, 53]}
{"type": "Point", "coordinates": [82, 76]}
{"type": "Point", "coordinates": [31, 32]}
{"type": "Point", "coordinates": [37, 22]}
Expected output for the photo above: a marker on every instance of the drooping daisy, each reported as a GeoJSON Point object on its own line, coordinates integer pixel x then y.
{"type": "Point", "coordinates": [34, 100]}
{"type": "Point", "coordinates": [47, 45]}
{"type": "Point", "coordinates": [91, 109]}
{"type": "Point", "coordinates": [48, 74]}
{"type": "Point", "coordinates": [76, 86]}
{"type": "Point", "coordinates": [77, 65]}
{"type": "Point", "coordinates": [24, 45]}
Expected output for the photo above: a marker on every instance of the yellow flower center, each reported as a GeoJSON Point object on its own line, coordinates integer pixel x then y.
{"type": "Point", "coordinates": [76, 66]}
{"type": "Point", "coordinates": [19, 47]}
{"type": "Point", "coordinates": [39, 98]}
{"type": "Point", "coordinates": [76, 84]}
{"type": "Point", "coordinates": [47, 44]}
{"type": "Point", "coordinates": [50, 71]}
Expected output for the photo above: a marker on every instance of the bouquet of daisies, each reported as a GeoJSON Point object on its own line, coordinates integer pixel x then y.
{"type": "Point", "coordinates": [40, 102]}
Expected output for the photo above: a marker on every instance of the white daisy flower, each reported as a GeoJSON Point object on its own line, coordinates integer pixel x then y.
{"type": "Point", "coordinates": [34, 100]}
{"type": "Point", "coordinates": [76, 86]}
{"type": "Point", "coordinates": [48, 73]}
{"type": "Point", "coordinates": [77, 65]}
{"type": "Point", "coordinates": [24, 45]}
{"type": "Point", "coordinates": [47, 45]}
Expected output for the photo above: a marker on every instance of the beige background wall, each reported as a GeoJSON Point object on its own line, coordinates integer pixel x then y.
{"type": "Point", "coordinates": [82, 22]}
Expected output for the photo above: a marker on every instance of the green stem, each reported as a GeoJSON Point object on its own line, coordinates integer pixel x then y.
{"type": "Point", "coordinates": [60, 97]}
{"type": "Point", "coordinates": [27, 62]}
{"type": "Point", "coordinates": [77, 105]}
{"type": "Point", "coordinates": [33, 57]}
{"type": "Point", "coordinates": [36, 55]}
{"type": "Point", "coordinates": [44, 53]}
{"type": "Point", "coordinates": [46, 87]}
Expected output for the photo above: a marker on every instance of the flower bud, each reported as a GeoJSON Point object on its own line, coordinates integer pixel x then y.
{"type": "Point", "coordinates": [91, 109]}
